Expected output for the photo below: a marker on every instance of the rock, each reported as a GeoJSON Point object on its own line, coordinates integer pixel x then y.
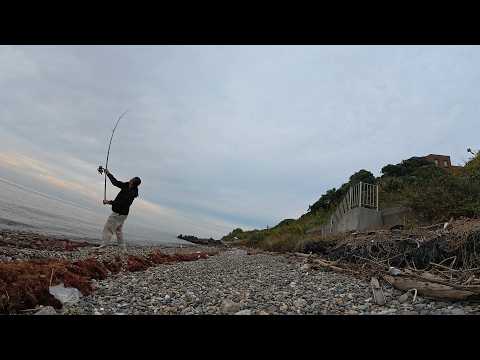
{"type": "Point", "coordinates": [244, 312]}
{"type": "Point", "coordinates": [230, 306]}
{"type": "Point", "coordinates": [419, 306]}
{"type": "Point", "coordinates": [403, 298]}
{"type": "Point", "coordinates": [65, 295]}
{"type": "Point", "coordinates": [407, 312]}
{"type": "Point", "coordinates": [387, 312]}
{"type": "Point", "coordinates": [305, 267]}
{"type": "Point", "coordinates": [263, 312]}
{"type": "Point", "coordinates": [46, 310]}
{"type": "Point", "coordinates": [457, 312]}
{"type": "Point", "coordinates": [394, 271]}
{"type": "Point", "coordinates": [300, 303]}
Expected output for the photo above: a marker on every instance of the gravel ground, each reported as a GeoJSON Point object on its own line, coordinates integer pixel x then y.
{"type": "Point", "coordinates": [17, 250]}
{"type": "Point", "coordinates": [108, 253]}
{"type": "Point", "coordinates": [234, 282]}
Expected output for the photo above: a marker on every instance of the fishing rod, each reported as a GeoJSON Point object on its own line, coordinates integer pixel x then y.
{"type": "Point", "coordinates": [101, 170]}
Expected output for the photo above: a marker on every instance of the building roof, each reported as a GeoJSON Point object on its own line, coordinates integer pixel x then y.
{"type": "Point", "coordinates": [437, 155]}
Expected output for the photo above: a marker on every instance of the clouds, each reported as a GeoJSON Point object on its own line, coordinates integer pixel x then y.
{"type": "Point", "coordinates": [235, 135]}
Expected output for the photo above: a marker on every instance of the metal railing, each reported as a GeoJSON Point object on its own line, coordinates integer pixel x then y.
{"type": "Point", "coordinates": [360, 195]}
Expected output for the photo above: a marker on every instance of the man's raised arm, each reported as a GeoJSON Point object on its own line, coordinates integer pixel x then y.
{"type": "Point", "coordinates": [114, 181]}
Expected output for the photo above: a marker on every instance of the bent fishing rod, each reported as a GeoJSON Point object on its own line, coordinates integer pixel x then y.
{"type": "Point", "coordinates": [101, 170]}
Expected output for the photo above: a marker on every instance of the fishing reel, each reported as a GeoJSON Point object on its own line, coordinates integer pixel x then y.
{"type": "Point", "coordinates": [101, 170]}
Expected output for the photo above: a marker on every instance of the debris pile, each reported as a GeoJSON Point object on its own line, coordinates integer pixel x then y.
{"type": "Point", "coordinates": [438, 261]}
{"type": "Point", "coordinates": [419, 248]}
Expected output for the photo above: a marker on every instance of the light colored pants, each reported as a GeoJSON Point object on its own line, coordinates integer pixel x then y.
{"type": "Point", "coordinates": [113, 226]}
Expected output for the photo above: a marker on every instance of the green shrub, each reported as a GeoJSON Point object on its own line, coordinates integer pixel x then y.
{"type": "Point", "coordinates": [406, 167]}
{"type": "Point", "coordinates": [438, 195]}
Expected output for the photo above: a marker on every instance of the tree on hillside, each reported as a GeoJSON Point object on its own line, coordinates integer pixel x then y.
{"type": "Point", "coordinates": [334, 196]}
{"type": "Point", "coordinates": [472, 167]}
{"type": "Point", "coordinates": [393, 170]}
{"type": "Point", "coordinates": [406, 167]}
{"type": "Point", "coordinates": [362, 176]}
{"type": "Point", "coordinates": [324, 202]}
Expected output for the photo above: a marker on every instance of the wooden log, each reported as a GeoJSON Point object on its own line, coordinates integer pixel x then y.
{"type": "Point", "coordinates": [430, 289]}
{"type": "Point", "coordinates": [431, 278]}
{"type": "Point", "coordinates": [324, 264]}
{"type": "Point", "coordinates": [302, 255]}
{"type": "Point", "coordinates": [430, 227]}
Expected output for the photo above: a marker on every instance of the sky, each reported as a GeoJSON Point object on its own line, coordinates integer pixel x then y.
{"type": "Point", "coordinates": [228, 136]}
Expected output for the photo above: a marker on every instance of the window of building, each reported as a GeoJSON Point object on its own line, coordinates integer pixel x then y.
{"type": "Point", "coordinates": [436, 162]}
{"type": "Point", "coordinates": [445, 163]}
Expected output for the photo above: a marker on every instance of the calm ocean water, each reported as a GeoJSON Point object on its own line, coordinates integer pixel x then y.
{"type": "Point", "coordinates": [22, 208]}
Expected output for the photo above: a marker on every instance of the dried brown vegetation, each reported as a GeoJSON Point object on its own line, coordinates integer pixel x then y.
{"type": "Point", "coordinates": [25, 284]}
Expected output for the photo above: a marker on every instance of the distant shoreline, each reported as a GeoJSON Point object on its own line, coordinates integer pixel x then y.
{"type": "Point", "coordinates": [33, 231]}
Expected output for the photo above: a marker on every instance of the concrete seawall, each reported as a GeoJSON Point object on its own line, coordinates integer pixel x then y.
{"type": "Point", "coordinates": [362, 219]}
{"type": "Point", "coordinates": [359, 219]}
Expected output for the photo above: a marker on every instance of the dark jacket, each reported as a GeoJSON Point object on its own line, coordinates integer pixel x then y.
{"type": "Point", "coordinates": [121, 204]}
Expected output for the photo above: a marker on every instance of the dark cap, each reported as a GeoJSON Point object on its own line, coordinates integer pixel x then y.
{"type": "Point", "coordinates": [136, 181]}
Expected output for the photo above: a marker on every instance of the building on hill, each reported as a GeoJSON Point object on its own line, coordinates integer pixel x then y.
{"type": "Point", "coordinates": [442, 161]}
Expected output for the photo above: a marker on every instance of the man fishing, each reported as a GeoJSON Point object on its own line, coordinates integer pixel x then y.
{"type": "Point", "coordinates": [120, 208]}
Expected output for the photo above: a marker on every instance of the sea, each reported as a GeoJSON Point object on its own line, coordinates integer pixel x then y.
{"type": "Point", "coordinates": [26, 209]}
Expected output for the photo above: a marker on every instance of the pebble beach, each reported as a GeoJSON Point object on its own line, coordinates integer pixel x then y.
{"type": "Point", "coordinates": [234, 282]}
{"type": "Point", "coordinates": [231, 281]}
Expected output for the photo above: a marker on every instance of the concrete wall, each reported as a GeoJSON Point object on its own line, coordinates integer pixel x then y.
{"type": "Point", "coordinates": [362, 219]}
{"type": "Point", "coordinates": [359, 219]}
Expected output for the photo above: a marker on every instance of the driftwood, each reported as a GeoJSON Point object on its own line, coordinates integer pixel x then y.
{"type": "Point", "coordinates": [430, 288]}
{"type": "Point", "coordinates": [331, 266]}
{"type": "Point", "coordinates": [303, 255]}
{"type": "Point", "coordinates": [378, 295]}
{"type": "Point", "coordinates": [431, 278]}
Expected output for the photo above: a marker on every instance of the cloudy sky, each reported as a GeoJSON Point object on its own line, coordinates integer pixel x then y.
{"type": "Point", "coordinates": [227, 136]}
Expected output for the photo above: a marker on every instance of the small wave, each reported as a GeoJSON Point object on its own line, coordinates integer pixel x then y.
{"type": "Point", "coordinates": [9, 222]}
